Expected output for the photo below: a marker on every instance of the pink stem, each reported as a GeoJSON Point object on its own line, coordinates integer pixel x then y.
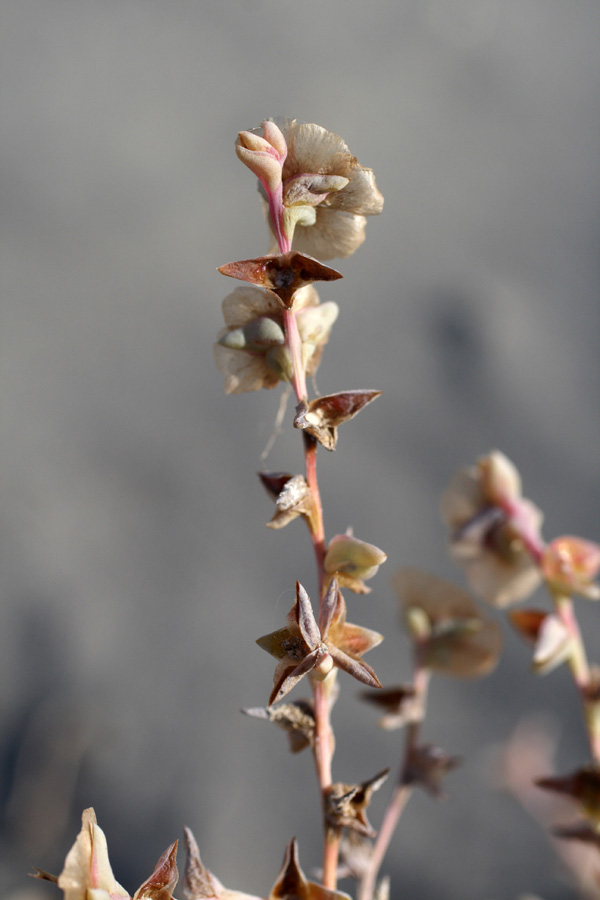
{"type": "Point", "coordinates": [294, 345]}
{"type": "Point", "coordinates": [323, 749]}
{"type": "Point", "coordinates": [394, 810]}
{"type": "Point", "coordinates": [275, 200]}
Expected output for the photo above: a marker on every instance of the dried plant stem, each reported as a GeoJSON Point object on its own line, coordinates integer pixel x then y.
{"type": "Point", "coordinates": [402, 791]}
{"type": "Point", "coordinates": [324, 744]}
{"type": "Point", "coordinates": [317, 530]}
{"type": "Point", "coordinates": [580, 671]}
{"type": "Point", "coordinates": [394, 810]}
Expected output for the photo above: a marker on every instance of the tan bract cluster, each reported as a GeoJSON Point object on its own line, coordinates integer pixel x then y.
{"type": "Point", "coordinates": [250, 351]}
{"type": "Point", "coordinates": [326, 190]}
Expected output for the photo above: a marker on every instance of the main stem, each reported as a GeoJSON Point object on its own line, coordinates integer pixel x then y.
{"type": "Point", "coordinates": [323, 741]}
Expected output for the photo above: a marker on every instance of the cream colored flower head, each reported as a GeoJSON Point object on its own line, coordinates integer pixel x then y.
{"type": "Point", "coordinates": [326, 193]}
{"type": "Point", "coordinates": [250, 351]}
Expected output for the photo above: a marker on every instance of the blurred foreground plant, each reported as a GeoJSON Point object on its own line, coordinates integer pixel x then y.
{"type": "Point", "coordinates": [317, 197]}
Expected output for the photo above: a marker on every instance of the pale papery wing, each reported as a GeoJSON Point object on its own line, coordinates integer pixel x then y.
{"type": "Point", "coordinates": [243, 372]}
{"type": "Point", "coordinates": [247, 303]}
{"type": "Point", "coordinates": [439, 599]}
{"type": "Point", "coordinates": [334, 234]}
{"type": "Point", "coordinates": [306, 297]}
{"type": "Point", "coordinates": [462, 499]}
{"type": "Point", "coordinates": [314, 150]}
{"type": "Point", "coordinates": [500, 583]}
{"type": "Point", "coordinates": [464, 653]}
{"type": "Point", "coordinates": [360, 196]}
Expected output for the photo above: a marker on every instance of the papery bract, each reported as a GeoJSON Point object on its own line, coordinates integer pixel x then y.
{"type": "Point", "coordinates": [323, 415]}
{"type": "Point", "coordinates": [326, 193]}
{"type": "Point", "coordinates": [452, 636]}
{"type": "Point", "coordinates": [352, 561]}
{"type": "Point", "coordinates": [250, 351]}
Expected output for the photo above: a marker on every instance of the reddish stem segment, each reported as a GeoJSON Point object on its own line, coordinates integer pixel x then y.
{"type": "Point", "coordinates": [323, 749]}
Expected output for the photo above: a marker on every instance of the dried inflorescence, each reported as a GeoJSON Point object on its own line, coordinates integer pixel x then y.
{"type": "Point", "coordinates": [494, 531]}
{"type": "Point", "coordinates": [324, 192]}
{"type": "Point", "coordinates": [569, 566]}
{"type": "Point", "coordinates": [346, 804]}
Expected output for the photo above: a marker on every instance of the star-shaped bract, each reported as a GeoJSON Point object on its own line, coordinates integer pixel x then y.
{"type": "Point", "coordinates": [304, 646]}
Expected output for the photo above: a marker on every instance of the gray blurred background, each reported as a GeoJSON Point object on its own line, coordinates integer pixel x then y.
{"type": "Point", "coordinates": [136, 567]}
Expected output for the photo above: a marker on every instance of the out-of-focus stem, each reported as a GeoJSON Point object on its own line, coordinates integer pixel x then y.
{"type": "Point", "coordinates": [580, 671]}
{"type": "Point", "coordinates": [401, 793]}
{"type": "Point", "coordinates": [521, 520]}
{"type": "Point", "coordinates": [394, 810]}
{"type": "Point", "coordinates": [331, 851]}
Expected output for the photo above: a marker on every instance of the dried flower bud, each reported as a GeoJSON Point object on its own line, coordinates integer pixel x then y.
{"type": "Point", "coordinates": [263, 155]}
{"type": "Point", "coordinates": [450, 633]}
{"type": "Point", "coordinates": [570, 564]}
{"type": "Point", "coordinates": [551, 639]}
{"type": "Point", "coordinates": [401, 704]}
{"type": "Point", "coordinates": [322, 416]}
{"type": "Point", "coordinates": [346, 804]}
{"type": "Point", "coordinates": [579, 831]}
{"type": "Point", "coordinates": [292, 496]}
{"type": "Point", "coordinates": [583, 786]}
{"type": "Point", "coordinates": [352, 561]}
{"type": "Point", "coordinates": [296, 719]}
{"type": "Point", "coordinates": [427, 766]}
